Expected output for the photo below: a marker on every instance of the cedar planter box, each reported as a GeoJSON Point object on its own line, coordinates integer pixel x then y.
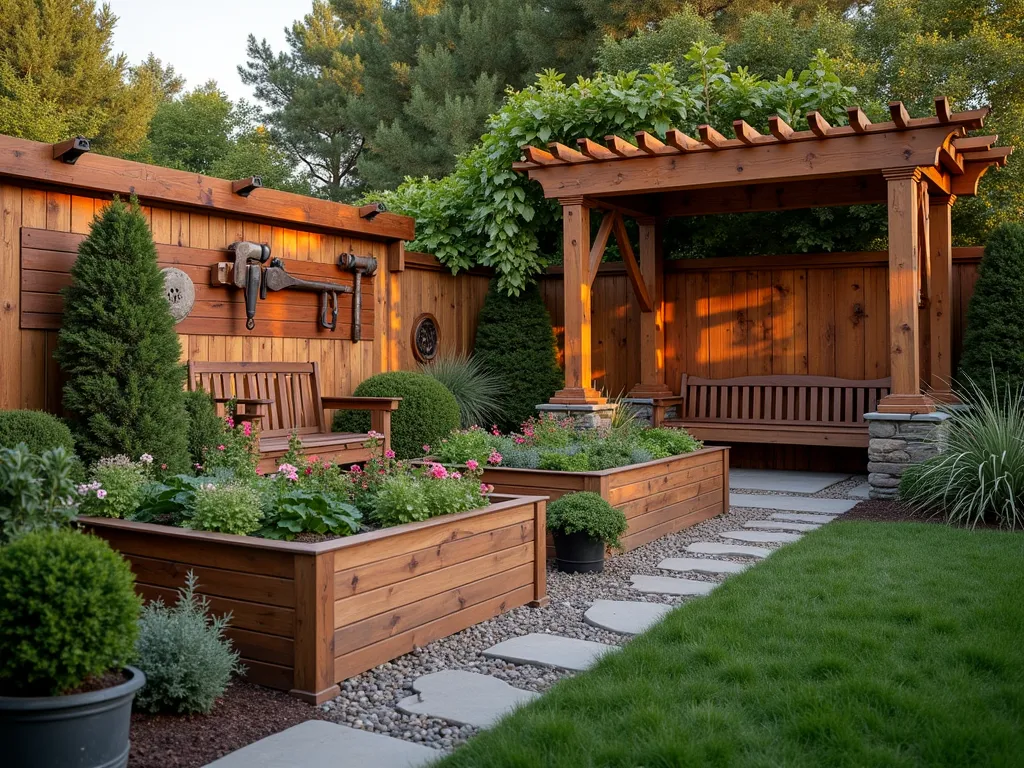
{"type": "Point", "coordinates": [658, 497]}
{"type": "Point", "coordinates": [308, 616]}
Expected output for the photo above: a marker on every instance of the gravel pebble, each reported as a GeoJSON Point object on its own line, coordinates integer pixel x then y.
{"type": "Point", "coordinates": [368, 700]}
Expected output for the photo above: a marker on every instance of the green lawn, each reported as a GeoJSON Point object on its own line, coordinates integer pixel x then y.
{"type": "Point", "coordinates": [865, 644]}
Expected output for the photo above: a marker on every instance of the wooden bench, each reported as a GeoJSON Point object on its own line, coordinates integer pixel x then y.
{"type": "Point", "coordinates": [794, 410]}
{"type": "Point", "coordinates": [285, 398]}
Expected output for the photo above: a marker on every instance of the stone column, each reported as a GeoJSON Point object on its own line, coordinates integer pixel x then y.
{"type": "Point", "coordinates": [898, 440]}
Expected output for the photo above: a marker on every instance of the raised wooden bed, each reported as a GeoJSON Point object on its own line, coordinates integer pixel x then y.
{"type": "Point", "coordinates": [307, 616]}
{"type": "Point", "coordinates": [658, 497]}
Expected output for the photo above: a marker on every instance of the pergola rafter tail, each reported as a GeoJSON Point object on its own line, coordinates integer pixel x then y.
{"type": "Point", "coordinates": [917, 166]}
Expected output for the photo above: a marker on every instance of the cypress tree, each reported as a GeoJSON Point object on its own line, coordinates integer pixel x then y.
{"type": "Point", "coordinates": [994, 339]}
{"type": "Point", "coordinates": [117, 346]}
{"type": "Point", "coordinates": [515, 340]}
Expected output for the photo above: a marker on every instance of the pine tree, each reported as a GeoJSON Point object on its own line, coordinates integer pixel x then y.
{"type": "Point", "coordinates": [994, 339]}
{"type": "Point", "coordinates": [118, 349]}
{"type": "Point", "coordinates": [515, 340]}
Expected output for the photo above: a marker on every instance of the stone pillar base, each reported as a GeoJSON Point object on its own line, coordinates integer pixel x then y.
{"type": "Point", "coordinates": [643, 409]}
{"type": "Point", "coordinates": [898, 440]}
{"type": "Point", "coordinates": [588, 416]}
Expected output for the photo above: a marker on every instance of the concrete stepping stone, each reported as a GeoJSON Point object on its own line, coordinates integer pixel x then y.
{"type": "Point", "coordinates": [550, 651]}
{"type": "Point", "coordinates": [670, 585]}
{"type": "Point", "coordinates": [464, 698]}
{"type": "Point", "coordinates": [792, 503]}
{"type": "Point", "coordinates": [701, 565]}
{"type": "Point", "coordinates": [862, 491]}
{"type": "Point", "coordinates": [319, 744]}
{"type": "Point", "coordinates": [761, 537]}
{"type": "Point", "coordinates": [786, 481]}
{"type": "Point", "coordinates": [803, 517]}
{"type": "Point", "coordinates": [727, 550]}
{"type": "Point", "coordinates": [627, 617]}
{"type": "Point", "coordinates": [781, 525]}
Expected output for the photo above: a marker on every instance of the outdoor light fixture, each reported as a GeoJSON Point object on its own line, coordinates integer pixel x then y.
{"type": "Point", "coordinates": [244, 187]}
{"type": "Point", "coordinates": [370, 211]}
{"type": "Point", "coordinates": [70, 150]}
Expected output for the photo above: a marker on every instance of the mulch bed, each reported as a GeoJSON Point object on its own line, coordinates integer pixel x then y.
{"type": "Point", "coordinates": [247, 713]}
{"type": "Point", "coordinates": [879, 511]}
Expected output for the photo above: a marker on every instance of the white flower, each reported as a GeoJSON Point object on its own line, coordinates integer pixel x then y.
{"type": "Point", "coordinates": [146, 458]}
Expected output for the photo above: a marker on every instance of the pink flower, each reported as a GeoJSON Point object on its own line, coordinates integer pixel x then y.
{"type": "Point", "coordinates": [375, 435]}
{"type": "Point", "coordinates": [355, 469]}
{"type": "Point", "coordinates": [426, 448]}
{"type": "Point", "coordinates": [472, 464]}
{"type": "Point", "coordinates": [247, 429]}
{"type": "Point", "coordinates": [230, 422]}
{"type": "Point", "coordinates": [289, 471]}
{"type": "Point", "coordinates": [389, 454]}
{"type": "Point", "coordinates": [199, 466]}
{"type": "Point", "coordinates": [485, 488]}
{"type": "Point", "coordinates": [494, 458]}
{"type": "Point", "coordinates": [438, 471]}
{"type": "Point", "coordinates": [101, 494]}
{"type": "Point", "coordinates": [313, 459]}
{"type": "Point", "coordinates": [309, 470]}
{"type": "Point", "coordinates": [520, 440]}
{"type": "Point", "coordinates": [221, 448]}
{"type": "Point", "coordinates": [259, 472]}
{"type": "Point", "coordinates": [494, 430]}
{"type": "Point", "coordinates": [456, 475]}
{"type": "Point", "coordinates": [163, 466]}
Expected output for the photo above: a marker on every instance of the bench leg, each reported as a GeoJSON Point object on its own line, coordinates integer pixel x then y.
{"type": "Point", "coordinates": [380, 421]}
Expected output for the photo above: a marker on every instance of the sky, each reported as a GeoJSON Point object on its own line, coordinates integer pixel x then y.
{"type": "Point", "coordinates": [203, 39]}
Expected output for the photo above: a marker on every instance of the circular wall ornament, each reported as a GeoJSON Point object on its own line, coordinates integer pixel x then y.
{"type": "Point", "coordinates": [179, 291]}
{"type": "Point", "coordinates": [425, 338]}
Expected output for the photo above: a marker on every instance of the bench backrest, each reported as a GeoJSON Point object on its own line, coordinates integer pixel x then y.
{"type": "Point", "coordinates": [293, 387]}
{"type": "Point", "coordinates": [780, 399]}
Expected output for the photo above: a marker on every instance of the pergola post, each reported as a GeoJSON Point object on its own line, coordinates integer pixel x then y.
{"type": "Point", "coordinates": [652, 324]}
{"type": "Point", "coordinates": [940, 309]}
{"type": "Point", "coordinates": [904, 200]}
{"type": "Point", "coordinates": [579, 388]}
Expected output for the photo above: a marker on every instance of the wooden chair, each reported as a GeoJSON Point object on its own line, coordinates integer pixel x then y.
{"type": "Point", "coordinates": [794, 410]}
{"type": "Point", "coordinates": [285, 398]}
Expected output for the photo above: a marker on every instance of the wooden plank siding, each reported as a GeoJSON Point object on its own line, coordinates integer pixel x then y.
{"type": "Point", "coordinates": [308, 616]}
{"type": "Point", "coordinates": [813, 314]}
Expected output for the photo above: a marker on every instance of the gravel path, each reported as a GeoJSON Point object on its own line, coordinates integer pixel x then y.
{"type": "Point", "coordinates": [368, 700]}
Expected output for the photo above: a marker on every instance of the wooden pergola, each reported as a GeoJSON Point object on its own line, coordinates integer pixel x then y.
{"type": "Point", "coordinates": [918, 166]}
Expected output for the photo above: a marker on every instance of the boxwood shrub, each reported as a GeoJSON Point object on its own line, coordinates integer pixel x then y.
{"type": "Point", "coordinates": [588, 513]}
{"type": "Point", "coordinates": [68, 611]}
{"type": "Point", "coordinates": [40, 431]}
{"type": "Point", "coordinates": [427, 414]}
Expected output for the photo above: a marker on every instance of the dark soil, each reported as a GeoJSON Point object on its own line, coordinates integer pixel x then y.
{"type": "Point", "coordinates": [98, 683]}
{"type": "Point", "coordinates": [247, 713]}
{"type": "Point", "coordinates": [878, 511]}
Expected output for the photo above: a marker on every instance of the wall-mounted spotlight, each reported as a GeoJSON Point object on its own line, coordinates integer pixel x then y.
{"type": "Point", "coordinates": [244, 187]}
{"type": "Point", "coordinates": [69, 151]}
{"type": "Point", "coordinates": [370, 210]}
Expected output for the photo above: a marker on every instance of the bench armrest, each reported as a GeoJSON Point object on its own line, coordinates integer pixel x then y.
{"type": "Point", "coordinates": [362, 403]}
{"type": "Point", "coordinates": [244, 400]}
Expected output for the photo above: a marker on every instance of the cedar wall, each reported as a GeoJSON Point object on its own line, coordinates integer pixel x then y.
{"type": "Point", "coordinates": [30, 378]}
{"type": "Point", "coordinates": [815, 314]}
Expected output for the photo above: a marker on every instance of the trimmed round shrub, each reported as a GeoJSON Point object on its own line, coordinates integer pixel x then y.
{"type": "Point", "coordinates": [68, 611]}
{"type": "Point", "coordinates": [182, 649]}
{"type": "Point", "coordinates": [427, 414]}
{"type": "Point", "coordinates": [515, 341]}
{"type": "Point", "coordinates": [994, 339]}
{"type": "Point", "coordinates": [118, 347]}
{"type": "Point", "coordinates": [39, 430]}
{"type": "Point", "coordinates": [205, 427]}
{"type": "Point", "coordinates": [588, 513]}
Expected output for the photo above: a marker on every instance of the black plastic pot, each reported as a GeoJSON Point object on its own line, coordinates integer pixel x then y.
{"type": "Point", "coordinates": [578, 552]}
{"type": "Point", "coordinates": [83, 730]}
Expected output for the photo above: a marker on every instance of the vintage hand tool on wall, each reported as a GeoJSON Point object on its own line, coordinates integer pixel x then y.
{"type": "Point", "coordinates": [276, 279]}
{"type": "Point", "coordinates": [248, 272]}
{"type": "Point", "coordinates": [360, 265]}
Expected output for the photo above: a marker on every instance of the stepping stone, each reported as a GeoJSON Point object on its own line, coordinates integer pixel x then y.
{"type": "Point", "coordinates": [780, 525]}
{"type": "Point", "coordinates": [803, 517]}
{"type": "Point", "coordinates": [670, 585]}
{"type": "Point", "coordinates": [624, 616]}
{"type": "Point", "coordinates": [701, 565]}
{"type": "Point", "coordinates": [761, 537]}
{"type": "Point", "coordinates": [785, 481]}
{"type": "Point", "coordinates": [464, 698]}
{"type": "Point", "coordinates": [319, 744]}
{"type": "Point", "coordinates": [792, 503]}
{"type": "Point", "coordinates": [727, 550]}
{"type": "Point", "coordinates": [550, 651]}
{"type": "Point", "coordinates": [862, 491]}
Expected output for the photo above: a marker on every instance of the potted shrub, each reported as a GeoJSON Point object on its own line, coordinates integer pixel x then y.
{"type": "Point", "coordinates": [583, 526]}
{"type": "Point", "coordinates": [68, 623]}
